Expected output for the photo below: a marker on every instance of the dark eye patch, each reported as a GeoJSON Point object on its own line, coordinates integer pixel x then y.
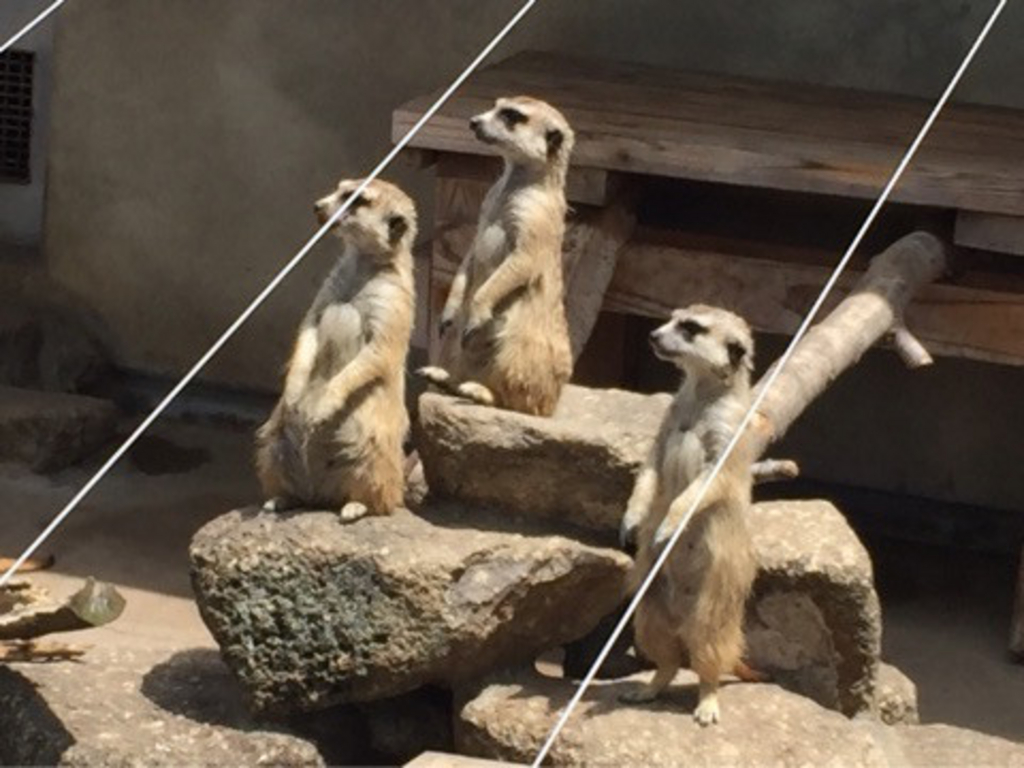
{"type": "Point", "coordinates": [692, 327]}
{"type": "Point", "coordinates": [512, 117]}
{"type": "Point", "coordinates": [359, 202]}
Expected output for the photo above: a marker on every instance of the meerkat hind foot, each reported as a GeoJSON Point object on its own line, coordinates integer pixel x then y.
{"type": "Point", "coordinates": [353, 511]}
{"type": "Point", "coordinates": [279, 504]}
{"type": "Point", "coordinates": [435, 375]}
{"type": "Point", "coordinates": [478, 393]}
{"type": "Point", "coordinates": [707, 711]}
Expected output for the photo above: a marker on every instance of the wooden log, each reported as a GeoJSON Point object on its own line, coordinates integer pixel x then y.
{"type": "Point", "coordinates": [873, 309]}
{"type": "Point", "coordinates": [94, 605]}
{"type": "Point", "coordinates": [590, 255]}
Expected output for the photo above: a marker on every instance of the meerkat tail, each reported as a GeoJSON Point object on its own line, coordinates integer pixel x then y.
{"type": "Point", "coordinates": [748, 674]}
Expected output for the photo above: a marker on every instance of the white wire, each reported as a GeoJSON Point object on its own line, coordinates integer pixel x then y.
{"type": "Point", "coordinates": [766, 385]}
{"type": "Point", "coordinates": [242, 318]}
{"type": "Point", "coordinates": [31, 25]}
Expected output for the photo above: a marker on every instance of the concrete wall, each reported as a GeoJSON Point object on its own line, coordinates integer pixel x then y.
{"type": "Point", "coordinates": [21, 206]}
{"type": "Point", "coordinates": [190, 137]}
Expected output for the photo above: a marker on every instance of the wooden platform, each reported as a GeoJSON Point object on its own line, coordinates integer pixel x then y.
{"type": "Point", "coordinates": [823, 152]}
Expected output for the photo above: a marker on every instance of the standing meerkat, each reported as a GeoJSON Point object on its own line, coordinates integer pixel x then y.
{"type": "Point", "coordinates": [694, 609]}
{"type": "Point", "coordinates": [335, 437]}
{"type": "Point", "coordinates": [505, 338]}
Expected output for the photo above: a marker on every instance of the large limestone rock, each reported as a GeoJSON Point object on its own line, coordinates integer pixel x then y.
{"type": "Point", "coordinates": [310, 612]}
{"type": "Point", "coordinates": [509, 718]}
{"type": "Point", "coordinates": [813, 621]}
{"type": "Point", "coordinates": [125, 708]}
{"type": "Point", "coordinates": [50, 430]}
{"type": "Point", "coordinates": [576, 467]}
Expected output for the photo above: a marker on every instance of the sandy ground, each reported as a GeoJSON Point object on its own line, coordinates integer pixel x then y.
{"type": "Point", "coordinates": [946, 612]}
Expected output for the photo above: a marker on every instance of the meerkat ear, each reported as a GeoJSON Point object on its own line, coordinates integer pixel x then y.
{"type": "Point", "coordinates": [555, 138]}
{"type": "Point", "coordinates": [397, 226]}
{"type": "Point", "coordinates": [738, 355]}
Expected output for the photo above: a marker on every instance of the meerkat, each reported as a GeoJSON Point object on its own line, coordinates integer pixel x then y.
{"type": "Point", "coordinates": [336, 435]}
{"type": "Point", "coordinates": [694, 609]}
{"type": "Point", "coordinates": [505, 338]}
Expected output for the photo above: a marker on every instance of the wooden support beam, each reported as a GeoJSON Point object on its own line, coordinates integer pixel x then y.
{"type": "Point", "coordinates": [990, 232]}
{"type": "Point", "coordinates": [966, 318]}
{"type": "Point", "coordinates": [1017, 623]}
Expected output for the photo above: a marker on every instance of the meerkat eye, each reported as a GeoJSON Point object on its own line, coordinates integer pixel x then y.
{"type": "Point", "coordinates": [692, 327]}
{"type": "Point", "coordinates": [737, 353]}
{"type": "Point", "coordinates": [512, 117]}
{"type": "Point", "coordinates": [359, 202]}
{"type": "Point", "coordinates": [397, 226]}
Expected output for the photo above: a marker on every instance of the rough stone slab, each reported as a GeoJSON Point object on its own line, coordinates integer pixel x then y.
{"type": "Point", "coordinates": [310, 612]}
{"type": "Point", "coordinates": [446, 760]}
{"type": "Point", "coordinates": [128, 708]}
{"type": "Point", "coordinates": [46, 347]}
{"type": "Point", "coordinates": [762, 725]}
{"type": "Point", "coordinates": [509, 717]}
{"type": "Point", "coordinates": [51, 430]}
{"type": "Point", "coordinates": [576, 467]}
{"type": "Point", "coordinates": [895, 697]}
{"type": "Point", "coordinates": [814, 621]}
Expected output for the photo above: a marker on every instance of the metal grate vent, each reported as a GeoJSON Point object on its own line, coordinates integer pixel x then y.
{"type": "Point", "coordinates": [16, 116]}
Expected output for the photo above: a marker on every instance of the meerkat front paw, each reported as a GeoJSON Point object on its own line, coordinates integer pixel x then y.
{"type": "Point", "coordinates": [707, 712]}
{"type": "Point", "coordinates": [478, 393]}
{"type": "Point", "coordinates": [353, 511]}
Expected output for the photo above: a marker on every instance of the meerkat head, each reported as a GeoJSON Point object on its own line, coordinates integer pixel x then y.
{"type": "Point", "coordinates": [381, 220]}
{"type": "Point", "coordinates": [526, 131]}
{"type": "Point", "coordinates": [704, 340]}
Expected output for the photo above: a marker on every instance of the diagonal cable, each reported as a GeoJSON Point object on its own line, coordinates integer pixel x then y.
{"type": "Point", "coordinates": [769, 381]}
{"type": "Point", "coordinates": [262, 296]}
{"type": "Point", "coordinates": [43, 16]}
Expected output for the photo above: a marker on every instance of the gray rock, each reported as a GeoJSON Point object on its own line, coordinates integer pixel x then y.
{"type": "Point", "coordinates": [509, 716]}
{"type": "Point", "coordinates": [45, 347]}
{"type": "Point", "coordinates": [895, 697]}
{"type": "Point", "coordinates": [762, 725]}
{"type": "Point", "coordinates": [132, 708]}
{"type": "Point", "coordinates": [576, 467]}
{"type": "Point", "coordinates": [813, 621]}
{"type": "Point", "coordinates": [310, 612]}
{"type": "Point", "coordinates": [51, 430]}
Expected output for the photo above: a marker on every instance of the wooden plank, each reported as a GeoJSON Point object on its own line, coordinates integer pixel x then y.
{"type": "Point", "coordinates": [989, 232]}
{"type": "Point", "coordinates": [1017, 623]}
{"type": "Point", "coordinates": [952, 319]}
{"type": "Point", "coordinates": [741, 131]}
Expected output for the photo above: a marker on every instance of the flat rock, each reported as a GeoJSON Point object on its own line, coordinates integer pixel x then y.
{"type": "Point", "coordinates": [52, 430]}
{"type": "Point", "coordinates": [576, 467]}
{"type": "Point", "coordinates": [813, 620]}
{"type": "Point", "coordinates": [509, 717]}
{"type": "Point", "coordinates": [129, 708]}
{"type": "Point", "coordinates": [46, 347]}
{"type": "Point", "coordinates": [310, 612]}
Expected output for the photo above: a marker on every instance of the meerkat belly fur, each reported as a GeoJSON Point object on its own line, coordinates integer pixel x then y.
{"type": "Point", "coordinates": [505, 339]}
{"type": "Point", "coordinates": [335, 437]}
{"type": "Point", "coordinates": [694, 610]}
